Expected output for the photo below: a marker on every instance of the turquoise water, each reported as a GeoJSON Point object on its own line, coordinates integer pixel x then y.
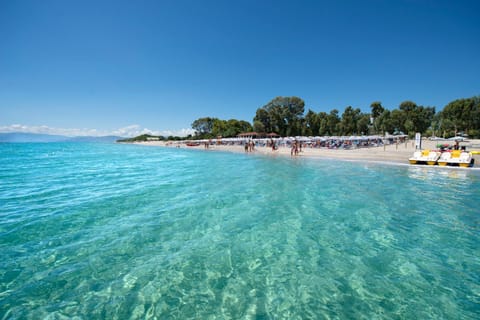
{"type": "Point", "coordinates": [93, 231]}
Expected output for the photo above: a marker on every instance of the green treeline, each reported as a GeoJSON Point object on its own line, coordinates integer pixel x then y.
{"type": "Point", "coordinates": [286, 116]}
{"type": "Point", "coordinates": [149, 137]}
{"type": "Point", "coordinates": [207, 128]}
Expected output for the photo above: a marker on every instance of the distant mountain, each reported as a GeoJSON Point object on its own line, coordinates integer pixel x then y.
{"type": "Point", "coordinates": [104, 139]}
{"type": "Point", "coordinates": [34, 137]}
{"type": "Point", "coordinates": [30, 137]}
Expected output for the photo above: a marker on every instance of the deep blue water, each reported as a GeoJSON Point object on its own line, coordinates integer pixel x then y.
{"type": "Point", "coordinates": [100, 231]}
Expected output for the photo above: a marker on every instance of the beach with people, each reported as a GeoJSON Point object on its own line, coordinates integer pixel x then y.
{"type": "Point", "coordinates": [396, 152]}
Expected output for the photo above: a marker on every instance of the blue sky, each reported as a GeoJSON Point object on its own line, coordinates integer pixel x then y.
{"type": "Point", "coordinates": [125, 67]}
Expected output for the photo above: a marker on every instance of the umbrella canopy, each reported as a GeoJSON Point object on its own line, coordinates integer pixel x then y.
{"type": "Point", "coordinates": [457, 138]}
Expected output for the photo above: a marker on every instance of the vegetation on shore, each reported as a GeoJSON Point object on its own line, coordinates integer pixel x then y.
{"type": "Point", "coordinates": [149, 137]}
{"type": "Point", "coordinates": [286, 116]}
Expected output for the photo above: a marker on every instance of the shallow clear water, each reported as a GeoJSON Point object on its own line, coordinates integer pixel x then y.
{"type": "Point", "coordinates": [93, 231]}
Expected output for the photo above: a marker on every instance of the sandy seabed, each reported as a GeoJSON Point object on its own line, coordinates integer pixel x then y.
{"type": "Point", "coordinates": [391, 153]}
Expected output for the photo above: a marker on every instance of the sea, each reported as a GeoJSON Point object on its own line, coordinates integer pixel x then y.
{"type": "Point", "coordinates": [115, 231]}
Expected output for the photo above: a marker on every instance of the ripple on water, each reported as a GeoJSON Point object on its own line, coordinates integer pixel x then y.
{"type": "Point", "coordinates": [116, 231]}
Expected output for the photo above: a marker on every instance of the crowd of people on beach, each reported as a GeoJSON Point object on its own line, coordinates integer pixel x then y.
{"type": "Point", "coordinates": [295, 149]}
{"type": "Point", "coordinates": [296, 144]}
{"type": "Point", "coordinates": [271, 144]}
{"type": "Point", "coordinates": [249, 146]}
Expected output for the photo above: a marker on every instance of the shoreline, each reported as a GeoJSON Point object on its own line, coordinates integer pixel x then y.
{"type": "Point", "coordinates": [387, 154]}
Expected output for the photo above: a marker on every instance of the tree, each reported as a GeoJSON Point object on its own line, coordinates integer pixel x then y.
{"type": "Point", "coordinates": [377, 109]}
{"type": "Point", "coordinates": [277, 118]}
{"type": "Point", "coordinates": [423, 118]}
{"type": "Point", "coordinates": [258, 126]}
{"type": "Point", "coordinates": [244, 126]}
{"type": "Point", "coordinates": [263, 117]}
{"type": "Point", "coordinates": [434, 129]}
{"type": "Point", "coordinates": [348, 124]}
{"type": "Point", "coordinates": [416, 118]}
{"type": "Point", "coordinates": [447, 128]}
{"type": "Point", "coordinates": [203, 126]}
{"type": "Point", "coordinates": [230, 128]}
{"type": "Point", "coordinates": [218, 128]}
{"type": "Point", "coordinates": [294, 108]}
{"type": "Point", "coordinates": [206, 128]}
{"type": "Point", "coordinates": [323, 123]}
{"type": "Point", "coordinates": [312, 124]}
{"type": "Point", "coordinates": [384, 122]}
{"type": "Point", "coordinates": [233, 127]}
{"type": "Point", "coordinates": [283, 115]}
{"type": "Point", "coordinates": [407, 106]}
{"type": "Point", "coordinates": [462, 115]}
{"type": "Point", "coordinates": [363, 124]}
{"type": "Point", "coordinates": [409, 126]}
{"type": "Point", "coordinates": [333, 121]}
{"type": "Point", "coordinates": [397, 118]}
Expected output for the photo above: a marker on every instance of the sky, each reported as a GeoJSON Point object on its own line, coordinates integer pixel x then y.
{"type": "Point", "coordinates": [130, 67]}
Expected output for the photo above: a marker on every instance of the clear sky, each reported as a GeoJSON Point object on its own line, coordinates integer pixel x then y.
{"type": "Point", "coordinates": [122, 66]}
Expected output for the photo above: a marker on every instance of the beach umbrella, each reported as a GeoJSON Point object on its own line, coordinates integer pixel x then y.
{"type": "Point", "coordinates": [457, 138]}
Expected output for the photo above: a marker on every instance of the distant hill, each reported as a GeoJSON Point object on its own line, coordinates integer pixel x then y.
{"type": "Point", "coordinates": [143, 137]}
{"type": "Point", "coordinates": [104, 139]}
{"type": "Point", "coordinates": [33, 137]}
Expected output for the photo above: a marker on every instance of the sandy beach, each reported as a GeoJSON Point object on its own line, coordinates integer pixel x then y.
{"type": "Point", "coordinates": [391, 153]}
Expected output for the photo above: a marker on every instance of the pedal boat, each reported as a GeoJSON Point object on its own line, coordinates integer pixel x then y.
{"type": "Point", "coordinates": [444, 158]}
{"type": "Point", "coordinates": [456, 158]}
{"type": "Point", "coordinates": [425, 157]}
